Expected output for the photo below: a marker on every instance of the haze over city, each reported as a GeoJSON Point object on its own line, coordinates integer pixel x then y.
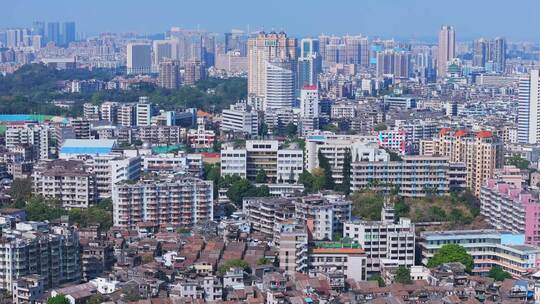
{"type": "Point", "coordinates": [412, 19]}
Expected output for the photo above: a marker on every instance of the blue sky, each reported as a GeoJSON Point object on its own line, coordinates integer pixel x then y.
{"type": "Point", "coordinates": [402, 19]}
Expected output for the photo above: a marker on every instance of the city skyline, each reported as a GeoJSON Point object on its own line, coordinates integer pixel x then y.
{"type": "Point", "coordinates": [372, 18]}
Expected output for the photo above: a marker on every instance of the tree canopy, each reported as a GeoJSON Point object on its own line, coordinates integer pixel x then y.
{"type": "Point", "coordinates": [58, 299]}
{"type": "Point", "coordinates": [403, 275]}
{"type": "Point", "coordinates": [324, 164]}
{"type": "Point", "coordinates": [452, 253]}
{"type": "Point", "coordinates": [518, 162]}
{"type": "Point", "coordinates": [238, 188]}
{"type": "Point", "coordinates": [367, 205]}
{"type": "Point", "coordinates": [261, 177]}
{"type": "Point", "coordinates": [498, 274]}
{"type": "Point", "coordinates": [31, 89]}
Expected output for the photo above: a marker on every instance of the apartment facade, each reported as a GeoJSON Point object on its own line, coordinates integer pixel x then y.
{"type": "Point", "coordinates": [35, 248]}
{"type": "Point", "coordinates": [161, 135]}
{"type": "Point", "coordinates": [37, 135]}
{"type": "Point", "coordinates": [507, 207]}
{"type": "Point", "coordinates": [110, 169]}
{"type": "Point", "coordinates": [413, 176]}
{"type": "Point", "coordinates": [335, 147]}
{"type": "Point", "coordinates": [385, 242]}
{"type": "Point", "coordinates": [280, 165]}
{"type": "Point", "coordinates": [183, 201]}
{"type": "Point", "coordinates": [240, 118]}
{"type": "Point", "coordinates": [322, 215]}
{"type": "Point", "coordinates": [293, 251]}
{"type": "Point", "coordinates": [481, 152]}
{"type": "Point", "coordinates": [488, 248]}
{"type": "Point", "coordinates": [336, 258]}
{"type": "Point", "coordinates": [69, 181]}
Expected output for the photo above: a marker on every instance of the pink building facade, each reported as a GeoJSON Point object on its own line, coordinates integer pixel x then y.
{"type": "Point", "coordinates": [507, 207]}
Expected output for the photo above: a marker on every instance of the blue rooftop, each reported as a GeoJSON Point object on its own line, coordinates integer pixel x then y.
{"type": "Point", "coordinates": [87, 146]}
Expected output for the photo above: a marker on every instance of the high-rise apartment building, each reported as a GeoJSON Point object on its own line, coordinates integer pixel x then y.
{"type": "Point", "coordinates": [139, 58]}
{"type": "Point", "coordinates": [498, 51]}
{"type": "Point", "coordinates": [68, 33]}
{"type": "Point", "coordinates": [279, 87]}
{"type": "Point", "coordinates": [169, 74]}
{"type": "Point", "coordinates": [356, 50]}
{"type": "Point", "coordinates": [81, 128]}
{"type": "Point", "coordinates": [163, 50]}
{"type": "Point", "coordinates": [38, 135]}
{"type": "Point", "coordinates": [309, 102]}
{"type": "Point", "coordinates": [53, 32]}
{"type": "Point", "coordinates": [446, 50]}
{"type": "Point", "coordinates": [69, 181]}
{"type": "Point", "coordinates": [480, 49]}
{"type": "Point", "coordinates": [529, 108]}
{"type": "Point", "coordinates": [309, 63]}
{"type": "Point", "coordinates": [293, 251]}
{"type": "Point", "coordinates": [110, 169]}
{"type": "Point", "coordinates": [183, 201]}
{"type": "Point", "coordinates": [265, 48]}
{"type": "Point", "coordinates": [126, 115]}
{"type": "Point", "coordinates": [15, 37]}
{"type": "Point", "coordinates": [38, 28]}
{"type": "Point", "coordinates": [109, 111]}
{"type": "Point", "coordinates": [397, 63]}
{"type": "Point", "coordinates": [490, 54]}
{"type": "Point", "coordinates": [194, 70]}
{"type": "Point", "coordinates": [236, 40]}
{"type": "Point", "coordinates": [482, 153]}
{"type": "Point", "coordinates": [36, 248]}
{"type": "Point", "coordinates": [144, 111]}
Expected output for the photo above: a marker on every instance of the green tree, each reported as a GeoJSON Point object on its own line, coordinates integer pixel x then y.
{"type": "Point", "coordinates": [346, 184]}
{"type": "Point", "coordinates": [291, 129]}
{"type": "Point", "coordinates": [518, 162]}
{"type": "Point", "coordinates": [58, 299]}
{"type": "Point", "coordinates": [379, 279]}
{"type": "Point", "coordinates": [261, 177]}
{"type": "Point", "coordinates": [307, 180]}
{"type": "Point", "coordinates": [380, 127]}
{"type": "Point", "coordinates": [325, 165]}
{"type": "Point", "coordinates": [402, 209]}
{"type": "Point", "coordinates": [452, 253]}
{"type": "Point", "coordinates": [237, 190]}
{"type": "Point", "coordinates": [263, 129]}
{"type": "Point", "coordinates": [40, 209]}
{"type": "Point", "coordinates": [241, 188]}
{"type": "Point", "coordinates": [20, 191]}
{"type": "Point", "coordinates": [403, 275]}
{"type": "Point", "coordinates": [233, 264]}
{"type": "Point", "coordinates": [367, 205]}
{"type": "Point", "coordinates": [498, 274]}
{"type": "Point", "coordinates": [213, 172]}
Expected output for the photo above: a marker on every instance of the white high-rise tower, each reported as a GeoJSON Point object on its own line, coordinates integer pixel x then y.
{"type": "Point", "coordinates": [447, 48]}
{"type": "Point", "coordinates": [529, 107]}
